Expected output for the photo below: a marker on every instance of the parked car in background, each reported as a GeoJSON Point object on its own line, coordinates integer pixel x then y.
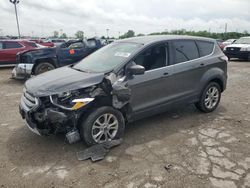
{"type": "Point", "coordinates": [94, 43]}
{"type": "Point", "coordinates": [110, 41]}
{"type": "Point", "coordinates": [41, 42]}
{"type": "Point", "coordinates": [37, 61]}
{"type": "Point", "coordinates": [226, 43]}
{"type": "Point", "coordinates": [239, 49]}
{"type": "Point", "coordinates": [10, 48]}
{"type": "Point", "coordinates": [56, 42]}
{"type": "Point", "coordinates": [3, 38]}
{"type": "Point", "coordinates": [125, 81]}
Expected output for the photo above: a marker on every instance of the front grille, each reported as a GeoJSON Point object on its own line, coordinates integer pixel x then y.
{"type": "Point", "coordinates": [29, 102]}
{"type": "Point", "coordinates": [232, 49]}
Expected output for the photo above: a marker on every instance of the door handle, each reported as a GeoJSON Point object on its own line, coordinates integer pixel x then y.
{"type": "Point", "coordinates": [202, 64]}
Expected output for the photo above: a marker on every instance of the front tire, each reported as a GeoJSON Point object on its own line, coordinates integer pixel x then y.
{"type": "Point", "coordinates": [210, 98]}
{"type": "Point", "coordinates": [43, 67]}
{"type": "Point", "coordinates": [101, 125]}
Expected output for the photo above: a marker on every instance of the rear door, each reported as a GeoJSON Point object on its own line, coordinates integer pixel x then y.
{"type": "Point", "coordinates": [9, 51]}
{"type": "Point", "coordinates": [188, 69]}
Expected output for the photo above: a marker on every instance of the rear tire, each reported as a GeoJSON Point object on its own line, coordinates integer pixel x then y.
{"type": "Point", "coordinates": [43, 67]}
{"type": "Point", "coordinates": [210, 98]}
{"type": "Point", "coordinates": [102, 124]}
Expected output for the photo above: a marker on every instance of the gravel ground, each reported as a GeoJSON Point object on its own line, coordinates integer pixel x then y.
{"type": "Point", "coordinates": [183, 148]}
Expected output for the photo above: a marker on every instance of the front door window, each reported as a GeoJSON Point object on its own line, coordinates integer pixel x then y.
{"type": "Point", "coordinates": [152, 58]}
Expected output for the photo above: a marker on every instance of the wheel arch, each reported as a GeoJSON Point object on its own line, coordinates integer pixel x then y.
{"type": "Point", "coordinates": [214, 75]}
{"type": "Point", "coordinates": [47, 60]}
{"type": "Point", "coordinates": [105, 101]}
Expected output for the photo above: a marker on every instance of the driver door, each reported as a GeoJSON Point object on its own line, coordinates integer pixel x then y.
{"type": "Point", "coordinates": [153, 89]}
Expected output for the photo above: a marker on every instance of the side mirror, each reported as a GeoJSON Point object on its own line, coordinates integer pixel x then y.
{"type": "Point", "coordinates": [136, 70]}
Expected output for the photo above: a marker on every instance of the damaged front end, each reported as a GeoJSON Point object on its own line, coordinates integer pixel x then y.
{"type": "Point", "coordinates": [64, 111]}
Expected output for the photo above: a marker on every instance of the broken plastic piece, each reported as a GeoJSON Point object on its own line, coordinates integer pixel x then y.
{"type": "Point", "coordinates": [121, 94]}
{"type": "Point", "coordinates": [168, 167]}
{"type": "Point", "coordinates": [73, 136]}
{"type": "Point", "coordinates": [97, 152]}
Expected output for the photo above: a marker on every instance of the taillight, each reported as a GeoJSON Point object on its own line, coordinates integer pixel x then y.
{"type": "Point", "coordinates": [224, 58]}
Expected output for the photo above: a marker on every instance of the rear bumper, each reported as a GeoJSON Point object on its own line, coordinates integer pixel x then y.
{"type": "Point", "coordinates": [239, 54]}
{"type": "Point", "coordinates": [22, 71]}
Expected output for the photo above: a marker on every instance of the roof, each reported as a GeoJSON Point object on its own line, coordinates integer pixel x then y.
{"type": "Point", "coordinates": [157, 38]}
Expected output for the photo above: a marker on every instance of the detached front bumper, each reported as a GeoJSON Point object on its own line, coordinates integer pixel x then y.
{"type": "Point", "coordinates": [42, 121]}
{"type": "Point", "coordinates": [22, 71]}
{"type": "Point", "coordinates": [28, 121]}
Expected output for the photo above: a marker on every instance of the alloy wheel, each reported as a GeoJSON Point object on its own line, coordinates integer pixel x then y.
{"type": "Point", "coordinates": [105, 128]}
{"type": "Point", "coordinates": [212, 97]}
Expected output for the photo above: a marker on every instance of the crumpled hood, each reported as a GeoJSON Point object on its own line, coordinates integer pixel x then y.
{"type": "Point", "coordinates": [61, 80]}
{"type": "Point", "coordinates": [239, 45]}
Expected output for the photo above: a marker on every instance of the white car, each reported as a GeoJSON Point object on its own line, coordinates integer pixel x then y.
{"type": "Point", "coordinates": [239, 49]}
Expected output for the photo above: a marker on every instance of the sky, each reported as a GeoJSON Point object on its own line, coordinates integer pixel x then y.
{"type": "Point", "coordinates": [94, 17]}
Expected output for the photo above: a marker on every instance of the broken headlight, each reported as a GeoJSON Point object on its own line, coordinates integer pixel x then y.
{"type": "Point", "coordinates": [72, 100]}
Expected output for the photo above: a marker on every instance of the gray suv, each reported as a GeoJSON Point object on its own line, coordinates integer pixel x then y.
{"type": "Point", "coordinates": [125, 81]}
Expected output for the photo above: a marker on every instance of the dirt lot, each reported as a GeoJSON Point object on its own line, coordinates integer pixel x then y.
{"type": "Point", "coordinates": [200, 150]}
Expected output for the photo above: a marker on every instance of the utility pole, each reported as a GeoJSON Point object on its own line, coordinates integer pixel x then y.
{"type": "Point", "coordinates": [225, 30]}
{"type": "Point", "coordinates": [107, 33]}
{"type": "Point", "coordinates": [15, 2]}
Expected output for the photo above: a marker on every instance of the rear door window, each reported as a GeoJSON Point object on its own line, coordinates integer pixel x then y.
{"type": "Point", "coordinates": [1, 45]}
{"type": "Point", "coordinates": [12, 45]}
{"type": "Point", "coordinates": [205, 47]}
{"type": "Point", "coordinates": [185, 50]}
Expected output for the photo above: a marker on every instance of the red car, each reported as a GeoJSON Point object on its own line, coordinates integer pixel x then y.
{"type": "Point", "coordinates": [9, 49]}
{"type": "Point", "coordinates": [41, 42]}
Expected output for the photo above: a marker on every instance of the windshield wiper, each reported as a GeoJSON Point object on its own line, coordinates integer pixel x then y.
{"type": "Point", "coordinates": [78, 69]}
{"type": "Point", "coordinates": [81, 70]}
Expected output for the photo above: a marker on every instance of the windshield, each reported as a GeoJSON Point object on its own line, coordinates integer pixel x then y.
{"type": "Point", "coordinates": [243, 41]}
{"type": "Point", "coordinates": [108, 57]}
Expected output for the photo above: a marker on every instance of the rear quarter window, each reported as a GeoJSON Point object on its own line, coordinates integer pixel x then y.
{"type": "Point", "coordinates": [205, 47]}
{"type": "Point", "coordinates": [185, 50]}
